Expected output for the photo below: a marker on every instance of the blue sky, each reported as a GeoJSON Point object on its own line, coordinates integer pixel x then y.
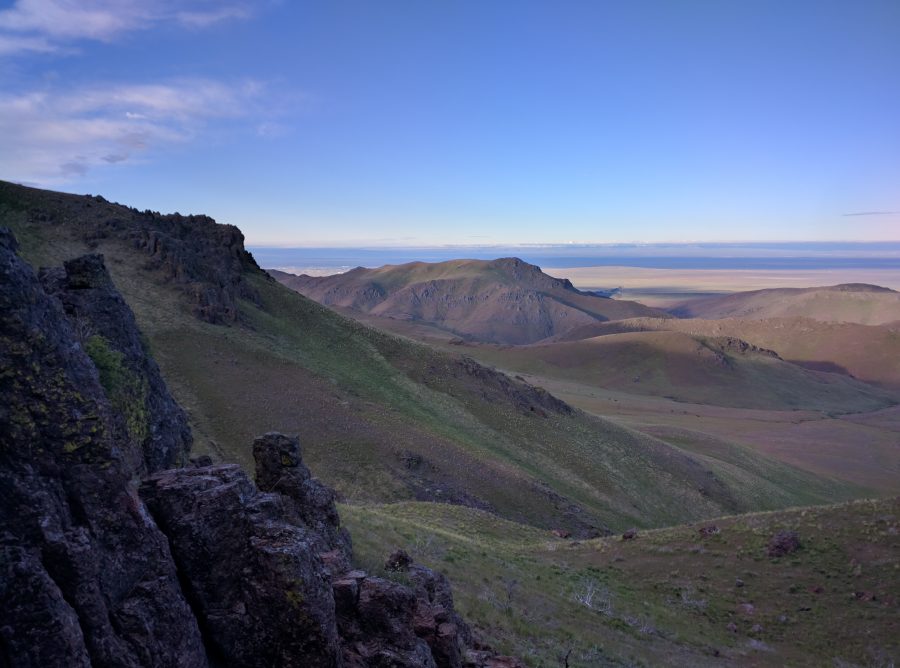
{"type": "Point", "coordinates": [411, 123]}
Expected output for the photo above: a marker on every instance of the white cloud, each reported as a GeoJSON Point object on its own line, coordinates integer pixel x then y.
{"type": "Point", "coordinates": [18, 44]}
{"type": "Point", "coordinates": [202, 19]}
{"type": "Point", "coordinates": [47, 25]}
{"type": "Point", "coordinates": [50, 137]}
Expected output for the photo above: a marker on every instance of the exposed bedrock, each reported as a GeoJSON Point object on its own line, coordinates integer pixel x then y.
{"type": "Point", "coordinates": [86, 577]}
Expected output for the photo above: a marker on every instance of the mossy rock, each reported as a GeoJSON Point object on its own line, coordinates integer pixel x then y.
{"type": "Point", "coordinates": [126, 390]}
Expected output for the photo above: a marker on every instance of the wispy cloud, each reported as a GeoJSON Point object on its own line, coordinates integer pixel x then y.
{"type": "Point", "coordinates": [871, 213]}
{"type": "Point", "coordinates": [55, 136]}
{"type": "Point", "coordinates": [202, 19]}
{"type": "Point", "coordinates": [19, 44]}
{"type": "Point", "coordinates": [52, 25]}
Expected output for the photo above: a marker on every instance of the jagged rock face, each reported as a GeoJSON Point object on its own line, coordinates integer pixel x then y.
{"type": "Point", "coordinates": [436, 621]}
{"type": "Point", "coordinates": [376, 618]}
{"type": "Point", "coordinates": [268, 573]}
{"type": "Point", "coordinates": [86, 578]}
{"type": "Point", "coordinates": [105, 326]}
{"type": "Point", "coordinates": [279, 468]}
{"type": "Point", "coordinates": [256, 581]}
{"type": "Point", "coordinates": [208, 258]}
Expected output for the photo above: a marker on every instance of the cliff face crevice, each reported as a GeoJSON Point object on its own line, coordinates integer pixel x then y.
{"type": "Point", "coordinates": [99, 570]}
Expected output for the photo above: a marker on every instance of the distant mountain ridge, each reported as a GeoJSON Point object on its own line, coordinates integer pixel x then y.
{"type": "Point", "coordinates": [506, 300]}
{"type": "Point", "coordinates": [859, 303]}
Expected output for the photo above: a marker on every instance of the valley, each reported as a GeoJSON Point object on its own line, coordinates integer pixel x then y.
{"type": "Point", "coordinates": [812, 394]}
{"type": "Point", "coordinates": [515, 468]}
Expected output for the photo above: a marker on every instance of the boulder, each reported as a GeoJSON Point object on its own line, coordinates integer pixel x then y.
{"type": "Point", "coordinates": [399, 560]}
{"type": "Point", "coordinates": [280, 468]}
{"type": "Point", "coordinates": [782, 543]}
{"type": "Point", "coordinates": [267, 600]}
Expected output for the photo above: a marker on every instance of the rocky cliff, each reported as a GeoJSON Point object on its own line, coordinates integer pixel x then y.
{"type": "Point", "coordinates": [105, 328]}
{"type": "Point", "coordinates": [205, 260]}
{"type": "Point", "coordinates": [110, 557]}
{"type": "Point", "coordinates": [86, 577]}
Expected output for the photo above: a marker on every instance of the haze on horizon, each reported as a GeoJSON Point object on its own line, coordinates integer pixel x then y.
{"type": "Point", "coordinates": [355, 123]}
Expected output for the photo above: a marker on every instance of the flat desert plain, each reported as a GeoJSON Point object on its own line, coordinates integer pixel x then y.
{"type": "Point", "coordinates": [666, 288]}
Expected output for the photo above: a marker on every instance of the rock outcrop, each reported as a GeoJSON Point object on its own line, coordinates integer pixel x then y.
{"type": "Point", "coordinates": [783, 543]}
{"type": "Point", "coordinates": [105, 327]}
{"type": "Point", "coordinates": [259, 588]}
{"type": "Point", "coordinates": [195, 566]}
{"type": "Point", "coordinates": [206, 260]}
{"type": "Point", "coordinates": [279, 468]}
{"type": "Point", "coordinates": [86, 577]}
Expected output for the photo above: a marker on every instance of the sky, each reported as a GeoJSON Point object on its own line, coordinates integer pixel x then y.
{"type": "Point", "coordinates": [351, 123]}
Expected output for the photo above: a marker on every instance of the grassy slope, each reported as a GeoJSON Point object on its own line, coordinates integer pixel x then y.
{"type": "Point", "coordinates": [870, 353]}
{"type": "Point", "coordinates": [692, 369]}
{"type": "Point", "coordinates": [765, 453]}
{"type": "Point", "coordinates": [384, 419]}
{"type": "Point", "coordinates": [808, 424]}
{"type": "Point", "coordinates": [668, 596]}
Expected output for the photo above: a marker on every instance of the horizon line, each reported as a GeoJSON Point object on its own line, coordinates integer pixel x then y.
{"type": "Point", "coordinates": [585, 244]}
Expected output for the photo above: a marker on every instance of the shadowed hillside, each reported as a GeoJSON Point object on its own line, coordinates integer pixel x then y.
{"type": "Point", "coordinates": [850, 302]}
{"type": "Point", "coordinates": [382, 418]}
{"type": "Point", "coordinates": [498, 301]}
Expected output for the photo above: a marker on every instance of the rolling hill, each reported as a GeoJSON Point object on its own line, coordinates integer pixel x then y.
{"type": "Point", "coordinates": [497, 301]}
{"type": "Point", "coordinates": [712, 369]}
{"type": "Point", "coordinates": [870, 353]}
{"type": "Point", "coordinates": [850, 302]}
{"type": "Point", "coordinates": [380, 418]}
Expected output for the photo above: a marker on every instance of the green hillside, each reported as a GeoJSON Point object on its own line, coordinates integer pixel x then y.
{"type": "Point", "coordinates": [670, 596]}
{"type": "Point", "coordinates": [851, 302]}
{"type": "Point", "coordinates": [380, 418]}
